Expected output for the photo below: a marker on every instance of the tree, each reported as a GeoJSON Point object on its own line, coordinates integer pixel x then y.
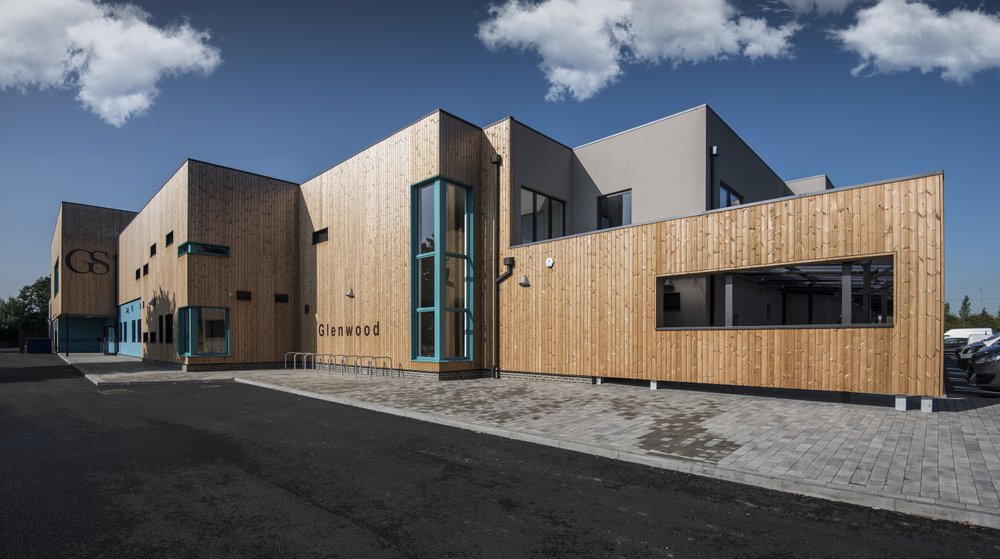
{"type": "Point", "coordinates": [966, 310]}
{"type": "Point", "coordinates": [28, 311]}
{"type": "Point", "coordinates": [950, 320]}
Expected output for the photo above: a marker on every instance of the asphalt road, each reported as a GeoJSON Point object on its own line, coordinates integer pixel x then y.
{"type": "Point", "coordinates": [237, 471]}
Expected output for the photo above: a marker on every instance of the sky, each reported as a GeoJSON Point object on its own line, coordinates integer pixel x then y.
{"type": "Point", "coordinates": [100, 102]}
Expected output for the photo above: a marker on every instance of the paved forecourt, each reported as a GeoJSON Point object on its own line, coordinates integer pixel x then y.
{"type": "Point", "coordinates": [943, 465]}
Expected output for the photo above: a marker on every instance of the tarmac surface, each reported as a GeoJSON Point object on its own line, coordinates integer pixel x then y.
{"type": "Point", "coordinates": [229, 470]}
{"type": "Point", "coordinates": [944, 465]}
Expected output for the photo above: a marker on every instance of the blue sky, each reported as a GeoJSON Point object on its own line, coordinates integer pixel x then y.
{"type": "Point", "coordinates": [290, 92]}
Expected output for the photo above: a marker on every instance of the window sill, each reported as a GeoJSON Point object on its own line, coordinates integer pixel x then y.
{"type": "Point", "coordinates": [442, 360]}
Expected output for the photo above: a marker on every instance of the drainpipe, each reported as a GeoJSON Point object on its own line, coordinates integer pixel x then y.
{"type": "Point", "coordinates": [118, 335]}
{"type": "Point", "coordinates": [496, 161]}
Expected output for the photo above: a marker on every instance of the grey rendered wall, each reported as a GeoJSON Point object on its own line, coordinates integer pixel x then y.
{"type": "Point", "coordinates": [663, 162]}
{"type": "Point", "coordinates": [818, 183]}
{"type": "Point", "coordinates": [739, 167]}
{"type": "Point", "coordinates": [541, 164]}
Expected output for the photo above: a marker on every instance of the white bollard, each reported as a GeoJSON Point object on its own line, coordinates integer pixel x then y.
{"type": "Point", "coordinates": [926, 404]}
{"type": "Point", "coordinates": [900, 403]}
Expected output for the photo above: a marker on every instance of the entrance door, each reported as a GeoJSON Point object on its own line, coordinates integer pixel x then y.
{"type": "Point", "coordinates": [130, 328]}
{"type": "Point", "coordinates": [109, 340]}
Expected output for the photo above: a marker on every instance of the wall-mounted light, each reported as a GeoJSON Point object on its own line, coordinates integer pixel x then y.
{"type": "Point", "coordinates": [350, 293]}
{"type": "Point", "coordinates": [667, 284]}
{"type": "Point", "coordinates": [523, 282]}
{"type": "Point", "coordinates": [549, 262]}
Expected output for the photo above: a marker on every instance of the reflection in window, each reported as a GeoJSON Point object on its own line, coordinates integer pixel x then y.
{"type": "Point", "coordinates": [203, 331]}
{"type": "Point", "coordinates": [614, 210]}
{"type": "Point", "coordinates": [825, 293]}
{"type": "Point", "coordinates": [542, 217]}
{"type": "Point", "coordinates": [425, 234]}
{"type": "Point", "coordinates": [441, 318]}
{"type": "Point", "coordinates": [728, 197]}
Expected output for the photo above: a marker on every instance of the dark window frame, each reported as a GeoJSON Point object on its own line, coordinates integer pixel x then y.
{"type": "Point", "coordinates": [608, 196]}
{"type": "Point", "coordinates": [731, 194]}
{"type": "Point", "coordinates": [244, 296]}
{"type": "Point", "coordinates": [145, 269]}
{"type": "Point", "coordinates": [152, 250]}
{"type": "Point", "coordinates": [534, 220]}
{"type": "Point", "coordinates": [207, 249]}
{"type": "Point", "coordinates": [168, 239]}
{"type": "Point", "coordinates": [889, 320]}
{"type": "Point", "coordinates": [280, 297]}
{"type": "Point", "coordinates": [320, 236]}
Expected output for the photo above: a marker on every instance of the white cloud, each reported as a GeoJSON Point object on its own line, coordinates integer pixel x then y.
{"type": "Point", "coordinates": [110, 54]}
{"type": "Point", "coordinates": [819, 6]}
{"type": "Point", "coordinates": [897, 35]}
{"type": "Point", "coordinates": [584, 43]}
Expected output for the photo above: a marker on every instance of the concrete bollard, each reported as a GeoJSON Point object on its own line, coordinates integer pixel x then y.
{"type": "Point", "coordinates": [654, 384]}
{"type": "Point", "coordinates": [900, 403]}
{"type": "Point", "coordinates": [926, 404]}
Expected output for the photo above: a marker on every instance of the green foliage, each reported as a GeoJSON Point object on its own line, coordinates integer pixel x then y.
{"type": "Point", "coordinates": [29, 310]}
{"type": "Point", "coordinates": [966, 319]}
{"type": "Point", "coordinates": [966, 310]}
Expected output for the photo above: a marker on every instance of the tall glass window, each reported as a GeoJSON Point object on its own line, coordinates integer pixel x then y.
{"type": "Point", "coordinates": [542, 217]}
{"type": "Point", "coordinates": [203, 331]}
{"type": "Point", "coordinates": [441, 271]}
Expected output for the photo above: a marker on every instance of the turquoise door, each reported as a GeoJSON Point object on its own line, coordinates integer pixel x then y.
{"type": "Point", "coordinates": [130, 328]}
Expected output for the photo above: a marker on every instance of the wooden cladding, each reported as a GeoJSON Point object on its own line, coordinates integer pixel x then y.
{"type": "Point", "coordinates": [594, 312]}
{"type": "Point", "coordinates": [84, 253]}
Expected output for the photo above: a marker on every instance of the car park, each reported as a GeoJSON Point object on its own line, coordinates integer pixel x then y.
{"type": "Point", "coordinates": [984, 368]}
{"type": "Point", "coordinates": [966, 352]}
{"type": "Point", "coordinates": [954, 345]}
{"type": "Point", "coordinates": [967, 332]}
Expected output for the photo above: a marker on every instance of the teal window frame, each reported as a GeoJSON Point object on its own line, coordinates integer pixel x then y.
{"type": "Point", "coordinates": [202, 248]}
{"type": "Point", "coordinates": [440, 255]}
{"type": "Point", "coordinates": [187, 320]}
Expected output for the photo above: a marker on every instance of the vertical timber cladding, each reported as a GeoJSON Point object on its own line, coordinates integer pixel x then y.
{"type": "Point", "coordinates": [167, 211]}
{"type": "Point", "coordinates": [364, 203]}
{"type": "Point", "coordinates": [255, 216]}
{"type": "Point", "coordinates": [593, 313]}
{"type": "Point", "coordinates": [85, 244]}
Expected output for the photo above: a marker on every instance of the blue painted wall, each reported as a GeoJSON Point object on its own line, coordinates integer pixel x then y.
{"type": "Point", "coordinates": [130, 323]}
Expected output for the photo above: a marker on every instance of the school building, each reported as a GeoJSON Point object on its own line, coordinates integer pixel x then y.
{"type": "Point", "coordinates": [669, 252]}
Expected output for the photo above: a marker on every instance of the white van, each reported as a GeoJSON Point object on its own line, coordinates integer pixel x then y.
{"type": "Point", "coordinates": [968, 333]}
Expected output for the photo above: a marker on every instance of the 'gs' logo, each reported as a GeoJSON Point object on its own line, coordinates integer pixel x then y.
{"type": "Point", "coordinates": [93, 265]}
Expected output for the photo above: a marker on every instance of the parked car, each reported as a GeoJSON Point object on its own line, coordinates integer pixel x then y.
{"type": "Point", "coordinates": [966, 352]}
{"type": "Point", "coordinates": [954, 345]}
{"type": "Point", "coordinates": [984, 368]}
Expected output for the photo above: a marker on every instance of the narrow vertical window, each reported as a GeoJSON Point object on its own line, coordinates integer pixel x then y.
{"type": "Point", "coordinates": [55, 278]}
{"type": "Point", "coordinates": [441, 271]}
{"type": "Point", "coordinates": [168, 329]}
